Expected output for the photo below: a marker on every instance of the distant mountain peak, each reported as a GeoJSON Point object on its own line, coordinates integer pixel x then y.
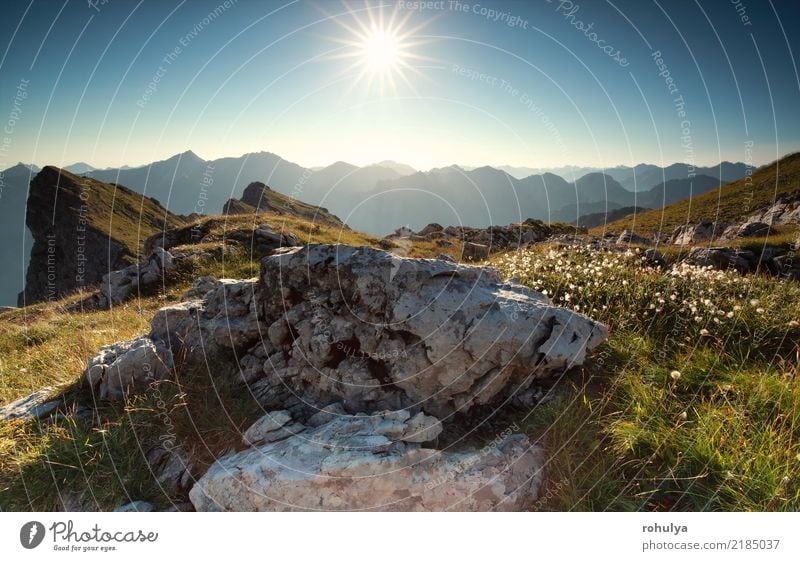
{"type": "Point", "coordinates": [450, 168]}
{"type": "Point", "coordinates": [190, 154]}
{"type": "Point", "coordinates": [79, 168]}
{"type": "Point", "coordinates": [399, 167]}
{"type": "Point", "coordinates": [20, 167]}
{"type": "Point", "coordinates": [187, 156]}
{"type": "Point", "coordinates": [341, 164]}
{"type": "Point", "coordinates": [488, 168]}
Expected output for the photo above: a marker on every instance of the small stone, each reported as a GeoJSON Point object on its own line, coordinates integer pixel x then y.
{"type": "Point", "coordinates": [136, 506]}
{"type": "Point", "coordinates": [326, 415]}
{"type": "Point", "coordinates": [631, 237]}
{"type": "Point", "coordinates": [475, 252]}
{"type": "Point", "coordinates": [268, 428]}
{"type": "Point", "coordinates": [33, 406]}
{"type": "Point", "coordinates": [128, 367]}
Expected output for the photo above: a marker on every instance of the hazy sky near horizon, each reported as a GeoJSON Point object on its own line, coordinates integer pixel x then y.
{"type": "Point", "coordinates": [541, 83]}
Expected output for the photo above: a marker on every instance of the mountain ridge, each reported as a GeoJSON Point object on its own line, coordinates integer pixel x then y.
{"type": "Point", "coordinates": [727, 203]}
{"type": "Point", "coordinates": [373, 198]}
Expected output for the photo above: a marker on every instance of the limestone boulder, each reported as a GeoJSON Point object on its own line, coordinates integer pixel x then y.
{"type": "Point", "coordinates": [226, 318]}
{"type": "Point", "coordinates": [692, 233]}
{"type": "Point", "coordinates": [118, 286]}
{"type": "Point", "coordinates": [128, 367]}
{"type": "Point", "coordinates": [376, 331]}
{"type": "Point", "coordinates": [201, 286]}
{"type": "Point", "coordinates": [37, 405]}
{"type": "Point", "coordinates": [361, 462]}
{"type": "Point", "coordinates": [785, 210]}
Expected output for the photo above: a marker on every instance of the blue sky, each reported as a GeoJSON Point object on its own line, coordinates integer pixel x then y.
{"type": "Point", "coordinates": [518, 83]}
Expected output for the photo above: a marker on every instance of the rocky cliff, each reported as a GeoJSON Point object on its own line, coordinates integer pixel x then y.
{"type": "Point", "coordinates": [83, 229]}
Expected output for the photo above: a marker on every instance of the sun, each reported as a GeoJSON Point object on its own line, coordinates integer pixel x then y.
{"type": "Point", "coordinates": [381, 48]}
{"type": "Point", "coordinates": [382, 51]}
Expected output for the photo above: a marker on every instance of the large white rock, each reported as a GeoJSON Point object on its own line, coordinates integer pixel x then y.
{"type": "Point", "coordinates": [362, 463]}
{"type": "Point", "coordinates": [362, 356]}
{"type": "Point", "coordinates": [376, 331]}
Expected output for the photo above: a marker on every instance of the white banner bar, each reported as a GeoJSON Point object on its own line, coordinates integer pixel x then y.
{"type": "Point", "coordinates": [390, 536]}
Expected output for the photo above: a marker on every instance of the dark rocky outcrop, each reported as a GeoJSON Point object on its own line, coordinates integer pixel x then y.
{"type": "Point", "coordinates": [480, 243]}
{"type": "Point", "coordinates": [777, 260]}
{"type": "Point", "coordinates": [82, 230]}
{"type": "Point", "coordinates": [258, 239]}
{"type": "Point", "coordinates": [258, 198]}
{"type": "Point", "coordinates": [721, 258]}
{"type": "Point", "coordinates": [629, 236]}
{"type": "Point", "coordinates": [689, 234]}
{"type": "Point", "coordinates": [255, 195]}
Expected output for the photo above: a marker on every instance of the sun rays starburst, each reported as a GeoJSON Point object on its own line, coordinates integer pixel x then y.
{"type": "Point", "coordinates": [379, 48]}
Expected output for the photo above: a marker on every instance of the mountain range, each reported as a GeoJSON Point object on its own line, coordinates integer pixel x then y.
{"type": "Point", "coordinates": [641, 177]}
{"type": "Point", "coordinates": [730, 203]}
{"type": "Point", "coordinates": [375, 198]}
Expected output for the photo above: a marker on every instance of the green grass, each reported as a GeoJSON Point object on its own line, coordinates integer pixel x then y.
{"type": "Point", "coordinates": [45, 345]}
{"type": "Point", "coordinates": [202, 411]}
{"type": "Point", "coordinates": [729, 203]}
{"type": "Point", "coordinates": [624, 433]}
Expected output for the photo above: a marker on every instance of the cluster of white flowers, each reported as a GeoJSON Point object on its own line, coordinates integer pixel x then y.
{"type": "Point", "coordinates": [620, 286]}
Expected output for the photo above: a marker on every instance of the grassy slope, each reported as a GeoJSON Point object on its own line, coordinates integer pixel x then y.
{"type": "Point", "coordinates": [622, 434]}
{"type": "Point", "coordinates": [728, 203]}
{"type": "Point", "coordinates": [125, 215]}
{"type": "Point", "coordinates": [41, 345]}
{"type": "Point", "coordinates": [306, 229]}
